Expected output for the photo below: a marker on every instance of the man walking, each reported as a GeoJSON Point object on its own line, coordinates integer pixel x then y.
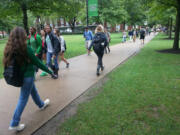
{"type": "Point", "coordinates": [88, 38]}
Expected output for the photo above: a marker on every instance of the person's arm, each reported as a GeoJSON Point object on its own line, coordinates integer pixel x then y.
{"type": "Point", "coordinates": [57, 45]}
{"type": "Point", "coordinates": [36, 61]}
{"type": "Point", "coordinates": [39, 44]}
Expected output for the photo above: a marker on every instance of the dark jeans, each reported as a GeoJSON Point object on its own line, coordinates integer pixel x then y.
{"type": "Point", "coordinates": [100, 57]}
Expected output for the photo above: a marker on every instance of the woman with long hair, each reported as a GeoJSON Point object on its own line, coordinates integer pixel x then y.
{"type": "Point", "coordinates": [99, 42]}
{"type": "Point", "coordinates": [63, 46]}
{"type": "Point", "coordinates": [16, 48]}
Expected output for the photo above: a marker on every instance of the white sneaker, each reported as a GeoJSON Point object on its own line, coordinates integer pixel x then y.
{"type": "Point", "coordinates": [20, 127]}
{"type": "Point", "coordinates": [46, 103]}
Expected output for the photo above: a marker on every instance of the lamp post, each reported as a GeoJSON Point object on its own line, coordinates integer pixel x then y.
{"type": "Point", "coordinates": [87, 16]}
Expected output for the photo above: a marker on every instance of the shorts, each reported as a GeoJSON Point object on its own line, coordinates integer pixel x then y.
{"type": "Point", "coordinates": [87, 44]}
{"type": "Point", "coordinates": [142, 37]}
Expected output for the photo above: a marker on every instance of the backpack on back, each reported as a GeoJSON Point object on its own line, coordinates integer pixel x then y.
{"type": "Point", "coordinates": [13, 75]}
{"type": "Point", "coordinates": [98, 42]}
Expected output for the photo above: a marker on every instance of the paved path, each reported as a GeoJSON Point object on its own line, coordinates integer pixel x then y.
{"type": "Point", "coordinates": [71, 84]}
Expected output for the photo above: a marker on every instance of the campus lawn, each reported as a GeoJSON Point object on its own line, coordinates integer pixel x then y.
{"type": "Point", "coordinates": [141, 97]}
{"type": "Point", "coordinates": [75, 46]}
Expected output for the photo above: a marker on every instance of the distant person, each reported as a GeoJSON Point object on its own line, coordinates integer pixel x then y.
{"type": "Point", "coordinates": [142, 35]}
{"type": "Point", "coordinates": [124, 36]}
{"type": "Point", "coordinates": [63, 46]}
{"type": "Point", "coordinates": [18, 51]}
{"type": "Point", "coordinates": [99, 43]}
{"type": "Point", "coordinates": [53, 48]}
{"type": "Point", "coordinates": [108, 39]}
{"type": "Point", "coordinates": [130, 34]}
{"type": "Point", "coordinates": [134, 35]}
{"type": "Point", "coordinates": [35, 43]}
{"type": "Point", "coordinates": [88, 35]}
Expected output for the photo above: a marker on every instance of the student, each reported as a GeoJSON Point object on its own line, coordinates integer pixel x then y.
{"type": "Point", "coordinates": [99, 43]}
{"type": "Point", "coordinates": [43, 50]}
{"type": "Point", "coordinates": [18, 50]}
{"type": "Point", "coordinates": [63, 46]}
{"type": "Point", "coordinates": [88, 38]}
{"type": "Point", "coordinates": [52, 46]}
{"type": "Point", "coordinates": [130, 33]}
{"type": "Point", "coordinates": [124, 36]}
{"type": "Point", "coordinates": [108, 39]}
{"type": "Point", "coordinates": [35, 42]}
{"type": "Point", "coordinates": [134, 35]}
{"type": "Point", "coordinates": [142, 35]}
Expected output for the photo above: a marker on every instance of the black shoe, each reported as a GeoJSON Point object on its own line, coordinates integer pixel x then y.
{"type": "Point", "coordinates": [102, 68]}
{"type": "Point", "coordinates": [97, 73]}
{"type": "Point", "coordinates": [67, 65]}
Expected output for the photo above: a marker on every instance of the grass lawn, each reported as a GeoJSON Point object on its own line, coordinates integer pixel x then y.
{"type": "Point", "coordinates": [141, 97]}
{"type": "Point", "coordinates": [75, 46]}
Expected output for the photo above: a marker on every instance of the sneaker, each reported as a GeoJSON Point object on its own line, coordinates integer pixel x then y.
{"type": "Point", "coordinates": [20, 127]}
{"type": "Point", "coordinates": [43, 74]}
{"type": "Point", "coordinates": [67, 65]}
{"type": "Point", "coordinates": [102, 68]}
{"type": "Point", "coordinates": [46, 103]}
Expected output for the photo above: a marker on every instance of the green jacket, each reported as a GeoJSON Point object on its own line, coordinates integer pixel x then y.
{"type": "Point", "coordinates": [35, 44]}
{"type": "Point", "coordinates": [29, 68]}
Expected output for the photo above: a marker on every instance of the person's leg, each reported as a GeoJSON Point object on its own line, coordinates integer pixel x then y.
{"type": "Point", "coordinates": [24, 95]}
{"type": "Point", "coordinates": [36, 98]}
{"type": "Point", "coordinates": [48, 59]}
{"type": "Point", "coordinates": [56, 65]}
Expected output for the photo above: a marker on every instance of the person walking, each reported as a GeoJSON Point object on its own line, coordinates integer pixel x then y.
{"type": "Point", "coordinates": [130, 33]}
{"type": "Point", "coordinates": [53, 48]}
{"type": "Point", "coordinates": [63, 46]}
{"type": "Point", "coordinates": [17, 50]}
{"type": "Point", "coordinates": [134, 35]}
{"type": "Point", "coordinates": [99, 42]}
{"type": "Point", "coordinates": [142, 35]}
{"type": "Point", "coordinates": [108, 40]}
{"type": "Point", "coordinates": [43, 50]}
{"type": "Point", "coordinates": [88, 35]}
{"type": "Point", "coordinates": [124, 36]}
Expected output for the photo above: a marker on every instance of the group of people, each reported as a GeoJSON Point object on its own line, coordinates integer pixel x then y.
{"type": "Point", "coordinates": [29, 52]}
{"type": "Point", "coordinates": [134, 34]}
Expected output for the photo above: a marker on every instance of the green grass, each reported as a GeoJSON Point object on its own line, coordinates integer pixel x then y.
{"type": "Point", "coordinates": [142, 97]}
{"type": "Point", "coordinates": [75, 46]}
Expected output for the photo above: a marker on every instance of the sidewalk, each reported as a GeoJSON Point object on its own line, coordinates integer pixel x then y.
{"type": "Point", "coordinates": [71, 84]}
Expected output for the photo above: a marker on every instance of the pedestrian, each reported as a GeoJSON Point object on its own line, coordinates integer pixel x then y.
{"type": "Point", "coordinates": [108, 40]}
{"type": "Point", "coordinates": [43, 50]}
{"type": "Point", "coordinates": [18, 51]}
{"type": "Point", "coordinates": [88, 35]}
{"type": "Point", "coordinates": [35, 42]}
{"type": "Point", "coordinates": [63, 46]}
{"type": "Point", "coordinates": [53, 48]}
{"type": "Point", "coordinates": [124, 36]}
{"type": "Point", "coordinates": [130, 33]}
{"type": "Point", "coordinates": [142, 35]}
{"type": "Point", "coordinates": [99, 42]}
{"type": "Point", "coordinates": [134, 35]}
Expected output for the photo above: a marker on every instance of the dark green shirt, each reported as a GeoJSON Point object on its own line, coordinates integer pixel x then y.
{"type": "Point", "coordinates": [29, 68]}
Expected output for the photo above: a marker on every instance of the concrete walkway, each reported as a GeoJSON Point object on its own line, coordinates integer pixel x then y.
{"type": "Point", "coordinates": [71, 84]}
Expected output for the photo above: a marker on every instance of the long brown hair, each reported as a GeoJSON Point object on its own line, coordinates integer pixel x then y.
{"type": "Point", "coordinates": [16, 47]}
{"type": "Point", "coordinates": [57, 32]}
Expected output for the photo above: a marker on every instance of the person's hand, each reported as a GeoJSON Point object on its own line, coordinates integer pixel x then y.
{"type": "Point", "coordinates": [54, 76]}
{"type": "Point", "coordinates": [54, 56]}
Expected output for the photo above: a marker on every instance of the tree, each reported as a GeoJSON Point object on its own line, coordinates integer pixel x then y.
{"type": "Point", "coordinates": [176, 5]}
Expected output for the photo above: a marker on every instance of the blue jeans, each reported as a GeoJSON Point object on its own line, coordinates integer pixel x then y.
{"type": "Point", "coordinates": [48, 60]}
{"type": "Point", "coordinates": [27, 89]}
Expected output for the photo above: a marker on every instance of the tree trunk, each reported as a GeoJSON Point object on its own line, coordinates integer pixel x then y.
{"type": "Point", "coordinates": [168, 25]}
{"type": "Point", "coordinates": [38, 25]}
{"type": "Point", "coordinates": [170, 32]}
{"type": "Point", "coordinates": [176, 38]}
{"type": "Point", "coordinates": [25, 17]}
{"type": "Point", "coordinates": [3, 33]}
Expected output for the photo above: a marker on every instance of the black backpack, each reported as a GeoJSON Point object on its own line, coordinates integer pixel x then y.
{"type": "Point", "coordinates": [98, 42]}
{"type": "Point", "coordinates": [13, 74]}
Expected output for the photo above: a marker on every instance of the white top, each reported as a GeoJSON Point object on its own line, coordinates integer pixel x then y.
{"type": "Point", "coordinates": [49, 45]}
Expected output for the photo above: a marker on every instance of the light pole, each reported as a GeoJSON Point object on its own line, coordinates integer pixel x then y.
{"type": "Point", "coordinates": [87, 16]}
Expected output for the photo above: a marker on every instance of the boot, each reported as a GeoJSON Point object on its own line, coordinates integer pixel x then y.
{"type": "Point", "coordinates": [56, 72]}
{"type": "Point", "coordinates": [98, 68]}
{"type": "Point", "coordinates": [102, 68]}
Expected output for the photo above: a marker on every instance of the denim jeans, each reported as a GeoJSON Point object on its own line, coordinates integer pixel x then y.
{"type": "Point", "coordinates": [48, 60]}
{"type": "Point", "coordinates": [27, 89]}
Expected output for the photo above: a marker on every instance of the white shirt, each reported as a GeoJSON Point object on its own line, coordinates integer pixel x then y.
{"type": "Point", "coordinates": [49, 45]}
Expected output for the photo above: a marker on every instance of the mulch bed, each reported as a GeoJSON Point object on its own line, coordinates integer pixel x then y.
{"type": "Point", "coordinates": [169, 51]}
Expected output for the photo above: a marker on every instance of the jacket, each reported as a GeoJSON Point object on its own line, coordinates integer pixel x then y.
{"type": "Point", "coordinates": [55, 43]}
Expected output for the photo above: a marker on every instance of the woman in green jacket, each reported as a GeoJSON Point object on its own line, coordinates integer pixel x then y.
{"type": "Point", "coordinates": [17, 48]}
